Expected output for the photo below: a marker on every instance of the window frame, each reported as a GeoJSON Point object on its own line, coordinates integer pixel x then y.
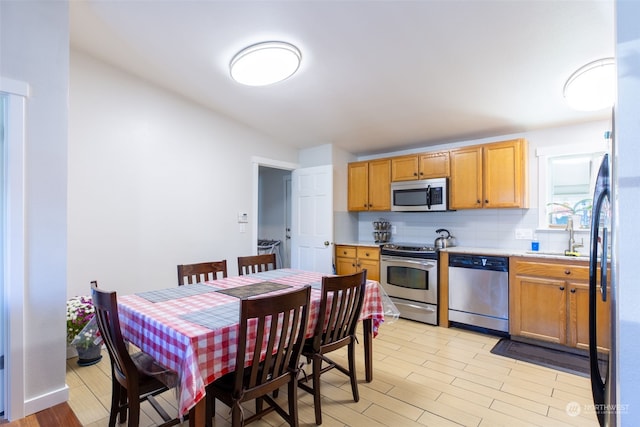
{"type": "Point", "coordinates": [544, 154]}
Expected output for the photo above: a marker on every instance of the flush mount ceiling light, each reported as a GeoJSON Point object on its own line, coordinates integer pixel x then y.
{"type": "Point", "coordinates": [592, 87]}
{"type": "Point", "coordinates": [265, 63]}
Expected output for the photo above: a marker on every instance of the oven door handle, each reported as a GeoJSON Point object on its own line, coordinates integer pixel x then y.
{"type": "Point", "coordinates": [429, 264]}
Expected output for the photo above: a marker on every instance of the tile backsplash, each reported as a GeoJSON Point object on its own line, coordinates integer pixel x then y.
{"type": "Point", "coordinates": [486, 228]}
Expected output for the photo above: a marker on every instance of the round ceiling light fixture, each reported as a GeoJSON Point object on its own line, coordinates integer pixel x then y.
{"type": "Point", "coordinates": [592, 87]}
{"type": "Point", "coordinates": [265, 63]}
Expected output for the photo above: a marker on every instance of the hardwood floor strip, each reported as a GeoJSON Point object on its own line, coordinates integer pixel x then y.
{"type": "Point", "coordinates": [59, 415]}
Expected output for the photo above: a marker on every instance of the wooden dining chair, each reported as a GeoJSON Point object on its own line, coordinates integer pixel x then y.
{"type": "Point", "coordinates": [256, 263]}
{"type": "Point", "coordinates": [340, 307]}
{"type": "Point", "coordinates": [201, 272]}
{"type": "Point", "coordinates": [270, 338]}
{"type": "Point", "coordinates": [134, 377]}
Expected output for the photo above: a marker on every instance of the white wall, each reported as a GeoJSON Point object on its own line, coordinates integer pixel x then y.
{"type": "Point", "coordinates": [154, 181]}
{"type": "Point", "coordinates": [491, 228]}
{"type": "Point", "coordinates": [34, 44]}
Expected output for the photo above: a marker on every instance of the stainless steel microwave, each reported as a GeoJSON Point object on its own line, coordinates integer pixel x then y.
{"type": "Point", "coordinates": [424, 195]}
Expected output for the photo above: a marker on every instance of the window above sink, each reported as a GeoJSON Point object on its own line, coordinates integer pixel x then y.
{"type": "Point", "coordinates": [566, 179]}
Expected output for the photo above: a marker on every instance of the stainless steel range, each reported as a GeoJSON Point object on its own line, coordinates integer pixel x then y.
{"type": "Point", "coordinates": [409, 275]}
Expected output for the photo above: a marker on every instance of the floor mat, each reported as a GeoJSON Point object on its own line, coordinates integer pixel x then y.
{"type": "Point", "coordinates": [561, 360]}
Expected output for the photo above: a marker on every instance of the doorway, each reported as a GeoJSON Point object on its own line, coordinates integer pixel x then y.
{"type": "Point", "coordinates": [274, 213]}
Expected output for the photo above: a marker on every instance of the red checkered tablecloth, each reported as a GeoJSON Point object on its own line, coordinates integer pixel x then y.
{"type": "Point", "coordinates": [200, 354]}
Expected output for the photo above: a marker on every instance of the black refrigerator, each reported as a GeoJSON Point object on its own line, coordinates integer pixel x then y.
{"type": "Point", "coordinates": [602, 365]}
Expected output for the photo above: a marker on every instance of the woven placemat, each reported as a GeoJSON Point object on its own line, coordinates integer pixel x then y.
{"type": "Point", "coordinates": [253, 289]}
{"type": "Point", "coordinates": [273, 274]}
{"type": "Point", "coordinates": [215, 317]}
{"type": "Point", "coordinates": [162, 295]}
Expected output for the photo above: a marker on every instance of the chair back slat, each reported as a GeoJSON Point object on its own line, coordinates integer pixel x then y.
{"type": "Point", "coordinates": [201, 272]}
{"type": "Point", "coordinates": [256, 263]}
{"type": "Point", "coordinates": [276, 326]}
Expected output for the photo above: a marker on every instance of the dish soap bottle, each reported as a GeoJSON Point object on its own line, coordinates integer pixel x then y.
{"type": "Point", "coordinates": [535, 245]}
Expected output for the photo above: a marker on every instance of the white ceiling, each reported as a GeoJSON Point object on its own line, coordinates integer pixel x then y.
{"type": "Point", "coordinates": [375, 76]}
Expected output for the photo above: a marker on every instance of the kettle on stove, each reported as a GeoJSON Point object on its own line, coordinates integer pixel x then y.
{"type": "Point", "coordinates": [444, 240]}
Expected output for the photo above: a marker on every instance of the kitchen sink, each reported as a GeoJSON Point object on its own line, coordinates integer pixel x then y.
{"type": "Point", "coordinates": [556, 253]}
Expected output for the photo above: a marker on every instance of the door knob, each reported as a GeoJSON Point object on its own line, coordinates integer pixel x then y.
{"type": "Point", "coordinates": [326, 243]}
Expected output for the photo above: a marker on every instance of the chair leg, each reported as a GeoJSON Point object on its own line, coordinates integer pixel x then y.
{"type": "Point", "coordinates": [115, 400]}
{"type": "Point", "coordinates": [259, 404]}
{"type": "Point", "coordinates": [293, 402]}
{"type": "Point", "coordinates": [352, 370]}
{"type": "Point", "coordinates": [123, 404]}
{"type": "Point", "coordinates": [134, 408]}
{"type": "Point", "coordinates": [317, 367]}
{"type": "Point", "coordinates": [236, 416]}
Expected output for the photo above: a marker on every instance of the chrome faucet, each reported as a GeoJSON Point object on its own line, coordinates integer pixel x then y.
{"type": "Point", "coordinates": [572, 241]}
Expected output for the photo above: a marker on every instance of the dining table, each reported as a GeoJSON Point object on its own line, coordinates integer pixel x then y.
{"type": "Point", "coordinates": [193, 329]}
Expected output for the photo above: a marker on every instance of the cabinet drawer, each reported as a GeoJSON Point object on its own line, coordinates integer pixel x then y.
{"type": "Point", "coordinates": [346, 251]}
{"type": "Point", "coordinates": [558, 271]}
{"type": "Point", "coordinates": [368, 252]}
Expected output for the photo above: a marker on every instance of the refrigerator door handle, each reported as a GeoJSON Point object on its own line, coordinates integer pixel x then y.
{"type": "Point", "coordinates": [603, 266]}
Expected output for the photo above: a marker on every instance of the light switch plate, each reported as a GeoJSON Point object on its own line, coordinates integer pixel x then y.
{"type": "Point", "coordinates": [243, 217]}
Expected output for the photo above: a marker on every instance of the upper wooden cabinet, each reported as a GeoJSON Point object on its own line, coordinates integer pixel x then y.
{"type": "Point", "coordinates": [420, 166]}
{"type": "Point", "coordinates": [369, 185]}
{"type": "Point", "coordinates": [489, 176]}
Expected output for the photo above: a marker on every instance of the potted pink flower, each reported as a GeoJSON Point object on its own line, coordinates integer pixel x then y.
{"type": "Point", "coordinates": [82, 330]}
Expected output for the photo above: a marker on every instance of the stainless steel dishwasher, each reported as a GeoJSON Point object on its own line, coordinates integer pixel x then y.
{"type": "Point", "coordinates": [479, 291]}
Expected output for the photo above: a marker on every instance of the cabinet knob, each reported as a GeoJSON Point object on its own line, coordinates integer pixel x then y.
{"type": "Point", "coordinates": [562, 288]}
{"type": "Point", "coordinates": [415, 174]}
{"type": "Point", "coordinates": [370, 205]}
{"type": "Point", "coordinates": [573, 291]}
{"type": "Point", "coordinates": [353, 265]}
{"type": "Point", "coordinates": [486, 201]}
{"type": "Point", "coordinates": [344, 252]}
{"type": "Point", "coordinates": [478, 201]}
{"type": "Point", "coordinates": [567, 272]}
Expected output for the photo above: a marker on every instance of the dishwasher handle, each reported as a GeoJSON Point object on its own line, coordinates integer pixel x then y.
{"type": "Point", "coordinates": [479, 262]}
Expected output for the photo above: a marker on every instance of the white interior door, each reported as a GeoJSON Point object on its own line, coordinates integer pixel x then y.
{"type": "Point", "coordinates": [312, 219]}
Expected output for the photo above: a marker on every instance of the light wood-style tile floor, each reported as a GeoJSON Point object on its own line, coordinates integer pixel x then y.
{"type": "Point", "coordinates": [423, 376]}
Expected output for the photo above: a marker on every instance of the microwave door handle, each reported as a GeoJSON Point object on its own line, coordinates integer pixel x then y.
{"type": "Point", "coordinates": [429, 196]}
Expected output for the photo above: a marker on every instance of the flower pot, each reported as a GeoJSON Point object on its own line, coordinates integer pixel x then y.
{"type": "Point", "coordinates": [90, 355]}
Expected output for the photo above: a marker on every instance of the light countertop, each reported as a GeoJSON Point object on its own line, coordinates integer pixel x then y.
{"type": "Point", "coordinates": [514, 252]}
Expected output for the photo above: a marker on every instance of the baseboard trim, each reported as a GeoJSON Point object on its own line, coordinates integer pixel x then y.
{"type": "Point", "coordinates": [44, 401]}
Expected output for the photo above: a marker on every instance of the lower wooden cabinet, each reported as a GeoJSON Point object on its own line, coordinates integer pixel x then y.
{"type": "Point", "coordinates": [549, 301]}
{"type": "Point", "coordinates": [351, 259]}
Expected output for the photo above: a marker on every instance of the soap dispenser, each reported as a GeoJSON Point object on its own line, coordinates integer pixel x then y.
{"type": "Point", "coordinates": [535, 245]}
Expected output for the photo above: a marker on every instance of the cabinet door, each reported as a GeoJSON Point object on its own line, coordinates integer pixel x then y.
{"type": "Point", "coordinates": [369, 259]}
{"type": "Point", "coordinates": [346, 266]}
{"type": "Point", "coordinates": [372, 266]}
{"type": "Point", "coordinates": [540, 310]}
{"type": "Point", "coordinates": [434, 165]}
{"type": "Point", "coordinates": [380, 185]}
{"type": "Point", "coordinates": [465, 191]}
{"type": "Point", "coordinates": [504, 175]}
{"type": "Point", "coordinates": [404, 168]}
{"type": "Point", "coordinates": [358, 191]}
{"type": "Point", "coordinates": [579, 318]}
